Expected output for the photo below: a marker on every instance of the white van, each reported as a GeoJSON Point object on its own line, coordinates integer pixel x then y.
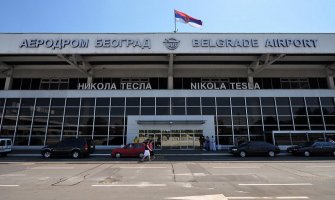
{"type": "Point", "coordinates": [5, 146]}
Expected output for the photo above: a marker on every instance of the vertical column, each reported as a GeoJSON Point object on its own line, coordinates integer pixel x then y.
{"type": "Point", "coordinates": [250, 76]}
{"type": "Point", "coordinates": [8, 83]}
{"type": "Point", "coordinates": [330, 78]}
{"type": "Point", "coordinates": [89, 80]}
{"type": "Point", "coordinates": [170, 72]}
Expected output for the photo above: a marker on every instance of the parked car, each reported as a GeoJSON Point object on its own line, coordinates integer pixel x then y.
{"type": "Point", "coordinates": [316, 148]}
{"type": "Point", "coordinates": [130, 150]}
{"type": "Point", "coordinates": [255, 148]}
{"type": "Point", "coordinates": [5, 146]}
{"type": "Point", "coordinates": [294, 148]}
{"type": "Point", "coordinates": [74, 147]}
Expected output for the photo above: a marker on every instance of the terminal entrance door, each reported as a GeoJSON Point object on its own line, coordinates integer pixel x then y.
{"type": "Point", "coordinates": [174, 139]}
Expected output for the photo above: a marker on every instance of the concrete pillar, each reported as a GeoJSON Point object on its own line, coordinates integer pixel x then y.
{"type": "Point", "coordinates": [8, 83]}
{"type": "Point", "coordinates": [89, 79]}
{"type": "Point", "coordinates": [251, 80]}
{"type": "Point", "coordinates": [170, 72]}
{"type": "Point", "coordinates": [330, 79]}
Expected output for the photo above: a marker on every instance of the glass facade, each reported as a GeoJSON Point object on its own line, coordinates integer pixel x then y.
{"type": "Point", "coordinates": [41, 121]}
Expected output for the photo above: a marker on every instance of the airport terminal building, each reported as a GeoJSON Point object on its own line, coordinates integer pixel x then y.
{"type": "Point", "coordinates": [169, 87]}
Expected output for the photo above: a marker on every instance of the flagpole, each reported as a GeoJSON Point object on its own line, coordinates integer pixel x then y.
{"type": "Point", "coordinates": [175, 24]}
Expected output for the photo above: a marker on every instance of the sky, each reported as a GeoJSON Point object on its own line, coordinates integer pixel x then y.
{"type": "Point", "coordinates": [142, 16]}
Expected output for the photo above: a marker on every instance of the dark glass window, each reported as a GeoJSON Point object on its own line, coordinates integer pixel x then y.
{"type": "Point", "coordinates": [83, 120]}
{"type": "Point", "coordinates": [74, 111]}
{"type": "Point", "coordinates": [252, 101]}
{"type": "Point", "coordinates": [255, 130]}
{"type": "Point", "coordinates": [42, 102]}
{"type": "Point", "coordinates": [269, 110]}
{"type": "Point", "coordinates": [178, 111]}
{"type": "Point", "coordinates": [238, 110]}
{"type": "Point", "coordinates": [56, 111]}
{"type": "Point", "coordinates": [148, 101]}
{"type": "Point", "coordinates": [117, 110]}
{"type": "Point", "coordinates": [223, 101]}
{"type": "Point", "coordinates": [102, 111]}
{"type": "Point", "coordinates": [163, 101]}
{"type": "Point", "coordinates": [27, 102]}
{"type": "Point", "coordinates": [117, 121]}
{"type": "Point", "coordinates": [269, 120]}
{"type": "Point", "coordinates": [178, 83]}
{"type": "Point", "coordinates": [162, 110]}
{"type": "Point", "coordinates": [193, 111]}
{"type": "Point", "coordinates": [224, 120]}
{"type": "Point", "coordinates": [312, 101]}
{"type": "Point", "coordinates": [208, 101]}
{"type": "Point", "coordinates": [148, 111]}
{"type": "Point", "coordinates": [87, 102]}
{"type": "Point", "coordinates": [314, 110]}
{"type": "Point", "coordinates": [284, 110]}
{"type": "Point", "coordinates": [237, 101]}
{"type": "Point", "coordinates": [254, 110]}
{"type": "Point", "coordinates": [178, 101]}
{"type": "Point", "coordinates": [118, 101]}
{"type": "Point", "coordinates": [132, 111]}
{"type": "Point", "coordinates": [26, 111]}
{"type": "Point", "coordinates": [299, 110]}
{"type": "Point", "coordinates": [223, 111]}
{"type": "Point", "coordinates": [285, 120]}
{"type": "Point", "coordinates": [240, 130]}
{"type": "Point", "coordinates": [283, 101]}
{"type": "Point", "coordinates": [13, 102]}
{"type": "Point", "coordinates": [300, 120]}
{"type": "Point", "coordinates": [193, 101]}
{"type": "Point", "coordinates": [88, 111]}
{"type": "Point", "coordinates": [133, 101]}
{"type": "Point", "coordinates": [72, 102]}
{"type": "Point", "coordinates": [297, 101]}
{"type": "Point", "coordinates": [208, 111]}
{"type": "Point", "coordinates": [239, 120]}
{"type": "Point", "coordinates": [57, 102]}
{"type": "Point", "coordinates": [328, 110]}
{"type": "Point", "coordinates": [101, 121]}
{"type": "Point", "coordinates": [267, 101]}
{"type": "Point", "coordinates": [255, 120]}
{"type": "Point", "coordinates": [102, 101]}
{"type": "Point", "coordinates": [327, 101]}
{"type": "Point", "coordinates": [315, 120]}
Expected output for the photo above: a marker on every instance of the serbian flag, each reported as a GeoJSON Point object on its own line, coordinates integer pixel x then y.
{"type": "Point", "coordinates": [184, 18]}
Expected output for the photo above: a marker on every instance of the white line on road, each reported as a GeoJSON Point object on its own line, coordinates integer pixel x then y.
{"type": "Point", "coordinates": [53, 168]}
{"type": "Point", "coordinates": [141, 167]}
{"type": "Point", "coordinates": [274, 184]}
{"type": "Point", "coordinates": [132, 185]}
{"type": "Point", "coordinates": [9, 185]}
{"type": "Point", "coordinates": [298, 197]}
{"type": "Point", "coordinates": [191, 174]}
{"type": "Point", "coordinates": [236, 167]}
{"type": "Point", "coordinates": [316, 166]}
{"type": "Point", "coordinates": [11, 175]}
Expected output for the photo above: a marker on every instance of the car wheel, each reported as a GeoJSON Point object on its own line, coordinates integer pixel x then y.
{"type": "Point", "coordinates": [46, 154]}
{"type": "Point", "coordinates": [307, 153]}
{"type": "Point", "coordinates": [271, 153]}
{"type": "Point", "coordinates": [75, 154]}
{"type": "Point", "coordinates": [141, 155]}
{"type": "Point", "coordinates": [117, 155]}
{"type": "Point", "coordinates": [243, 154]}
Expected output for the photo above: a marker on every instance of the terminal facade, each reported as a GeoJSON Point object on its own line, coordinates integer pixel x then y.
{"type": "Point", "coordinates": [169, 87]}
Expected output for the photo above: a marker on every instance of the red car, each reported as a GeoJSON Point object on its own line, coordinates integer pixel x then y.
{"type": "Point", "coordinates": [130, 150]}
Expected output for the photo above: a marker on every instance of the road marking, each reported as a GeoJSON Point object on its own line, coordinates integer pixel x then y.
{"type": "Point", "coordinates": [141, 167]}
{"type": "Point", "coordinates": [191, 174]}
{"type": "Point", "coordinates": [298, 197]}
{"type": "Point", "coordinates": [316, 166]}
{"type": "Point", "coordinates": [236, 167]}
{"type": "Point", "coordinates": [133, 185]}
{"type": "Point", "coordinates": [9, 185]}
{"type": "Point", "coordinates": [11, 175]}
{"type": "Point", "coordinates": [202, 197]}
{"type": "Point", "coordinates": [53, 168]}
{"type": "Point", "coordinates": [274, 184]}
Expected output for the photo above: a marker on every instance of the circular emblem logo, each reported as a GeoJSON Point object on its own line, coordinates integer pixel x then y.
{"type": "Point", "coordinates": [171, 43]}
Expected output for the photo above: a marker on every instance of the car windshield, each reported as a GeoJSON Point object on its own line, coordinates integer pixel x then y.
{"type": "Point", "coordinates": [307, 144]}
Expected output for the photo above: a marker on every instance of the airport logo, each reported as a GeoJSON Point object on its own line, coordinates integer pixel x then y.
{"type": "Point", "coordinates": [171, 43]}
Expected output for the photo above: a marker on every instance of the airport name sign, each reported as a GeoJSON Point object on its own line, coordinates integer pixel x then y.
{"type": "Point", "coordinates": [146, 43]}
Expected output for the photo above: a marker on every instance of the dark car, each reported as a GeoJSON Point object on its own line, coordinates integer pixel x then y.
{"type": "Point", "coordinates": [294, 148]}
{"type": "Point", "coordinates": [130, 150]}
{"type": "Point", "coordinates": [255, 148]}
{"type": "Point", "coordinates": [74, 147]}
{"type": "Point", "coordinates": [316, 149]}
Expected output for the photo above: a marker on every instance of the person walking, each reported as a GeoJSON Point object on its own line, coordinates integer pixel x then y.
{"type": "Point", "coordinates": [213, 144]}
{"type": "Point", "coordinates": [201, 141]}
{"type": "Point", "coordinates": [146, 151]}
{"type": "Point", "coordinates": [152, 153]}
{"type": "Point", "coordinates": [207, 144]}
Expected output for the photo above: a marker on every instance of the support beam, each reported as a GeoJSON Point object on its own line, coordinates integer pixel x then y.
{"type": "Point", "coordinates": [330, 72]}
{"type": "Point", "coordinates": [73, 63]}
{"type": "Point", "coordinates": [263, 62]}
{"type": "Point", "coordinates": [170, 72]}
